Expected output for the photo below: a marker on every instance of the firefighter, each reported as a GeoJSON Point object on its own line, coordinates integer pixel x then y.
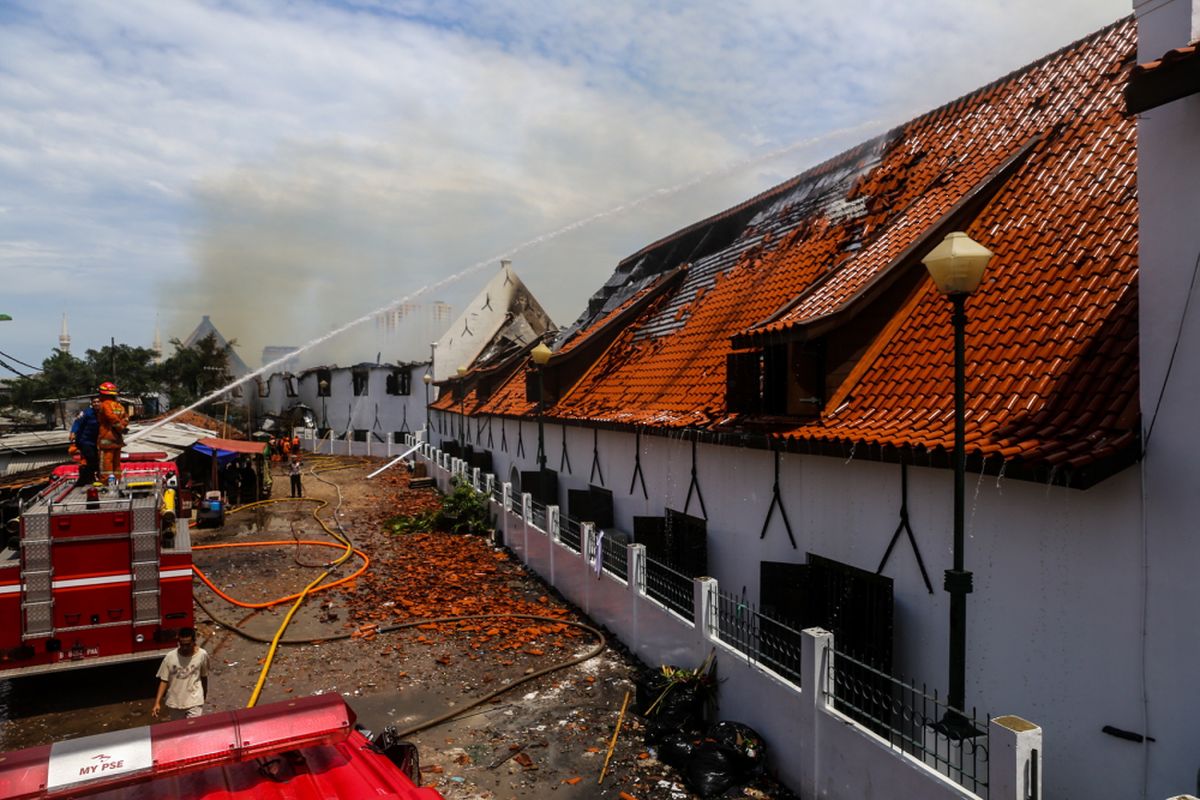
{"type": "Point", "coordinates": [84, 434]}
{"type": "Point", "coordinates": [113, 423]}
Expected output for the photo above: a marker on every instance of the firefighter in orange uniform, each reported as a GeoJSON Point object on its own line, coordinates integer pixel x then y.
{"type": "Point", "coordinates": [113, 423]}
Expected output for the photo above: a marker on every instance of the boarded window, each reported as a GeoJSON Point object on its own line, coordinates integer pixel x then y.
{"type": "Point", "coordinates": [361, 379]}
{"type": "Point", "coordinates": [399, 382]}
{"type": "Point", "coordinates": [743, 382]}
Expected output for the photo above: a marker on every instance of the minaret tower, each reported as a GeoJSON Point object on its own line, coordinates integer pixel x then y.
{"type": "Point", "coordinates": [157, 346]}
{"type": "Point", "coordinates": [64, 338]}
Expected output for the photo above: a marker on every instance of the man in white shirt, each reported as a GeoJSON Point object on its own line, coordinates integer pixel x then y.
{"type": "Point", "coordinates": [183, 679]}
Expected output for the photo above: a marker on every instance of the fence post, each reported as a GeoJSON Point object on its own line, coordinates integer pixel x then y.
{"type": "Point", "coordinates": [635, 557]}
{"type": "Point", "coordinates": [635, 560]}
{"type": "Point", "coordinates": [816, 655]}
{"type": "Point", "coordinates": [526, 515]}
{"type": "Point", "coordinates": [489, 483]}
{"type": "Point", "coordinates": [1014, 759]}
{"type": "Point", "coordinates": [475, 478]}
{"type": "Point", "coordinates": [705, 605]}
{"type": "Point", "coordinates": [553, 521]}
{"type": "Point", "coordinates": [587, 541]}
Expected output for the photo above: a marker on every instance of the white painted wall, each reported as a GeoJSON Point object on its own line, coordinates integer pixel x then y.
{"type": "Point", "coordinates": [1169, 246]}
{"type": "Point", "coordinates": [814, 749]}
{"type": "Point", "coordinates": [1054, 624]}
{"type": "Point", "coordinates": [376, 411]}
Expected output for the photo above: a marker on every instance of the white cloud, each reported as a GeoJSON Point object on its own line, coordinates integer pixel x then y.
{"type": "Point", "coordinates": [331, 156]}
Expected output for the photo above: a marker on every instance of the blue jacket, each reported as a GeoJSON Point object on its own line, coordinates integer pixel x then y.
{"type": "Point", "coordinates": [86, 427]}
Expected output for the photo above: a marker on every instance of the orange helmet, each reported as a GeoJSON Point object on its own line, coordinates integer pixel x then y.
{"type": "Point", "coordinates": [109, 388]}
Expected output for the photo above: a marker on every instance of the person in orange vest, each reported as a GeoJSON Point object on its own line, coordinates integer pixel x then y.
{"type": "Point", "coordinates": [114, 421]}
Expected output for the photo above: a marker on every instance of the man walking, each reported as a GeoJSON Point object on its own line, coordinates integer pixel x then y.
{"type": "Point", "coordinates": [294, 467]}
{"type": "Point", "coordinates": [183, 679]}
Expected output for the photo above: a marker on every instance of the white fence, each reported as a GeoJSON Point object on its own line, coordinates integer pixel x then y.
{"type": "Point", "coordinates": [815, 749]}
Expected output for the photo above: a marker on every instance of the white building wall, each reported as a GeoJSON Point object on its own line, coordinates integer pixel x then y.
{"type": "Point", "coordinates": [1168, 252]}
{"type": "Point", "coordinates": [377, 412]}
{"type": "Point", "coordinates": [1054, 624]}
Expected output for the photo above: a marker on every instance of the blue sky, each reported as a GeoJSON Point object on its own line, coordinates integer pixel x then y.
{"type": "Point", "coordinates": [288, 166]}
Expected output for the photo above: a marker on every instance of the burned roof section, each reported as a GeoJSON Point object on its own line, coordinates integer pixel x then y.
{"type": "Point", "coordinates": [806, 319]}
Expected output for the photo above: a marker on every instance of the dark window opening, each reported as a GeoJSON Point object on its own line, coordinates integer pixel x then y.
{"type": "Point", "coordinates": [399, 382]}
{"type": "Point", "coordinates": [779, 380]}
{"type": "Point", "coordinates": [264, 387]}
{"type": "Point", "coordinates": [360, 434]}
{"type": "Point", "coordinates": [543, 485]}
{"type": "Point", "coordinates": [593, 504]}
{"type": "Point", "coordinates": [289, 386]}
{"type": "Point", "coordinates": [361, 379]}
{"type": "Point", "coordinates": [324, 383]}
{"type": "Point", "coordinates": [398, 437]}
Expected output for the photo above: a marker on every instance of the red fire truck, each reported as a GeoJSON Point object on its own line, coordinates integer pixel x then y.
{"type": "Point", "coordinates": [96, 576]}
{"type": "Point", "coordinates": [307, 748]}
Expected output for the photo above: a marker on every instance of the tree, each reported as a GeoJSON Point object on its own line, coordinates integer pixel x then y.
{"type": "Point", "coordinates": [62, 375]}
{"type": "Point", "coordinates": [193, 372]}
{"type": "Point", "coordinates": [132, 369]}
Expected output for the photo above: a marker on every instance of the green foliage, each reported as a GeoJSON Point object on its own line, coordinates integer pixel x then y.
{"type": "Point", "coordinates": [193, 372]}
{"type": "Point", "coordinates": [465, 511]}
{"type": "Point", "coordinates": [62, 375]}
{"type": "Point", "coordinates": [131, 368]}
{"type": "Point", "coordinates": [412, 523]}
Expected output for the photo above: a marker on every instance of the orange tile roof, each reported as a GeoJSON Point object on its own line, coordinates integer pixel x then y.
{"type": "Point", "coordinates": [1039, 166]}
{"type": "Point", "coordinates": [1174, 75]}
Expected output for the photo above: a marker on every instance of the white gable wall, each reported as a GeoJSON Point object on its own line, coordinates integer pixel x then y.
{"type": "Point", "coordinates": [1169, 248]}
{"type": "Point", "coordinates": [1054, 624]}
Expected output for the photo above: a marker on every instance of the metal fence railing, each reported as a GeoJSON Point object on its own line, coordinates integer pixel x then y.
{"type": "Point", "coordinates": [537, 515]}
{"type": "Point", "coordinates": [614, 554]}
{"type": "Point", "coordinates": [672, 589]}
{"type": "Point", "coordinates": [914, 721]}
{"type": "Point", "coordinates": [763, 640]}
{"type": "Point", "coordinates": [568, 533]}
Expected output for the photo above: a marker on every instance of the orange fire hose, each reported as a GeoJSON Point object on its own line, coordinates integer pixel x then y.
{"type": "Point", "coordinates": [279, 600]}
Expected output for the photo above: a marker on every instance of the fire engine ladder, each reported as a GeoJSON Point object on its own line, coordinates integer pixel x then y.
{"type": "Point", "coordinates": [144, 547]}
{"type": "Point", "coordinates": [37, 575]}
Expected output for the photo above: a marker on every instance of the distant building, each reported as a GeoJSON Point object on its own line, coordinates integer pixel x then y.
{"type": "Point", "coordinates": [237, 367]}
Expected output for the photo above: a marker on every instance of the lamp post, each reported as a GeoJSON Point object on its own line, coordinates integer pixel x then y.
{"type": "Point", "coordinates": [427, 379]}
{"type": "Point", "coordinates": [462, 409]}
{"type": "Point", "coordinates": [323, 386]}
{"type": "Point", "coordinates": [956, 266]}
{"type": "Point", "coordinates": [541, 356]}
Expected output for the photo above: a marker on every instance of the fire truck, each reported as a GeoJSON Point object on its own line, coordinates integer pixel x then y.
{"type": "Point", "coordinates": [300, 749]}
{"type": "Point", "coordinates": [96, 575]}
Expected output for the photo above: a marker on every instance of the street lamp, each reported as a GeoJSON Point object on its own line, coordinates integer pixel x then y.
{"type": "Point", "coordinates": [541, 356]}
{"type": "Point", "coordinates": [462, 413]}
{"type": "Point", "coordinates": [323, 386]}
{"type": "Point", "coordinates": [956, 266]}
{"type": "Point", "coordinates": [427, 379]}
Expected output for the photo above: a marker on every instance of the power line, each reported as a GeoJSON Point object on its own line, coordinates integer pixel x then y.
{"type": "Point", "coordinates": [19, 361]}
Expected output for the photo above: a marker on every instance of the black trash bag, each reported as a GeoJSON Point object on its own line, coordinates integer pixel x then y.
{"type": "Point", "coordinates": [713, 769]}
{"type": "Point", "coordinates": [676, 749]}
{"type": "Point", "coordinates": [669, 707]}
{"type": "Point", "coordinates": [681, 710]}
{"type": "Point", "coordinates": [745, 741]}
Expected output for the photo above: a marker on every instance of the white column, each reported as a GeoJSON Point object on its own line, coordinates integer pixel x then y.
{"type": "Point", "coordinates": [587, 541]}
{"type": "Point", "coordinates": [816, 652]}
{"type": "Point", "coordinates": [1014, 759]}
{"type": "Point", "coordinates": [635, 560]}
{"type": "Point", "coordinates": [475, 478]}
{"type": "Point", "coordinates": [526, 513]}
{"type": "Point", "coordinates": [553, 521]}
{"type": "Point", "coordinates": [705, 605]}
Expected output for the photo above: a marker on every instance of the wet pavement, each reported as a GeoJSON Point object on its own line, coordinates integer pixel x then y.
{"type": "Point", "coordinates": [544, 739]}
